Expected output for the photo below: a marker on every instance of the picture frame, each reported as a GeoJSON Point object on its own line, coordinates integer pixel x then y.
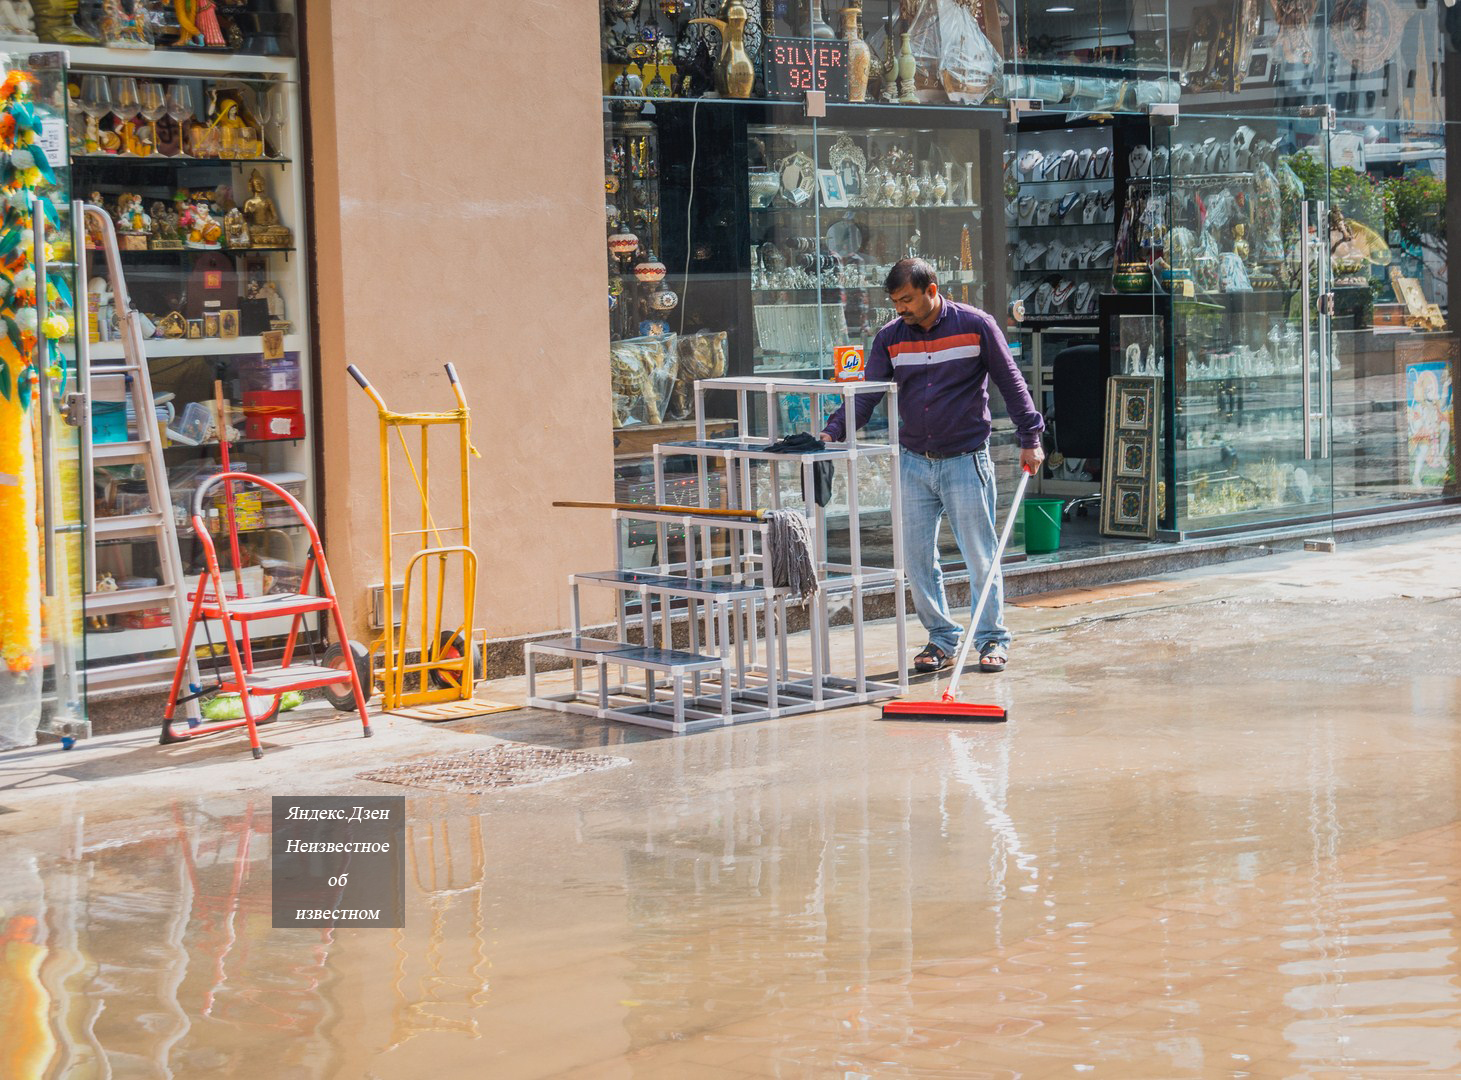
{"type": "Point", "coordinates": [210, 324]}
{"type": "Point", "coordinates": [1260, 67]}
{"type": "Point", "coordinates": [1129, 474]}
{"type": "Point", "coordinates": [228, 323]}
{"type": "Point", "coordinates": [833, 193]}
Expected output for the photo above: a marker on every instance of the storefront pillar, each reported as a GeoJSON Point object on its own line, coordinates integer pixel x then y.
{"type": "Point", "coordinates": [457, 221]}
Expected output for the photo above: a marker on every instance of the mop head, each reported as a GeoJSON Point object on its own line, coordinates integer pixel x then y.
{"type": "Point", "coordinates": [947, 711]}
{"type": "Point", "coordinates": [791, 553]}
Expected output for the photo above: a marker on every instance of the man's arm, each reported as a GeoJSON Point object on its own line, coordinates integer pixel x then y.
{"type": "Point", "coordinates": [879, 369]}
{"type": "Point", "coordinates": [1005, 374]}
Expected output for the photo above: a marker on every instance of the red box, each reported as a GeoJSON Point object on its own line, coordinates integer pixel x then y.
{"type": "Point", "coordinates": [273, 414]}
{"type": "Point", "coordinates": [147, 619]}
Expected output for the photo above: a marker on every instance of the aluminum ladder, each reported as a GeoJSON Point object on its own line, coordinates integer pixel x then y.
{"type": "Point", "coordinates": [117, 382]}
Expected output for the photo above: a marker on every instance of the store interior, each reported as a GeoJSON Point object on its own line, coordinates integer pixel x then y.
{"type": "Point", "coordinates": [1215, 235]}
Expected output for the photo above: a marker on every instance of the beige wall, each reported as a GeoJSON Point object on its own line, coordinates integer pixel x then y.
{"type": "Point", "coordinates": [458, 213]}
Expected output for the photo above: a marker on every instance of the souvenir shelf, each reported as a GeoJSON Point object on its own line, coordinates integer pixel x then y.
{"type": "Point", "coordinates": [1060, 212]}
{"type": "Point", "coordinates": [175, 128]}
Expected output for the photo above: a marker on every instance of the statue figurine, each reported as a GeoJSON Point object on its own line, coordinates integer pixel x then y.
{"type": "Point", "coordinates": [198, 22]}
{"type": "Point", "coordinates": [236, 229]}
{"type": "Point", "coordinates": [263, 220]}
{"type": "Point", "coordinates": [165, 233]}
{"type": "Point", "coordinates": [125, 29]}
{"type": "Point", "coordinates": [1240, 241]}
{"type": "Point", "coordinates": [16, 23]}
{"type": "Point", "coordinates": [131, 218]}
{"type": "Point", "coordinates": [203, 231]}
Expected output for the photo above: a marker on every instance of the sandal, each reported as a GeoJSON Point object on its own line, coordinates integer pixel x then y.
{"type": "Point", "coordinates": [993, 657]}
{"type": "Point", "coordinates": [931, 659]}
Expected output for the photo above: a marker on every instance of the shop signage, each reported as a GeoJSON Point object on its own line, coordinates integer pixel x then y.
{"type": "Point", "coordinates": [795, 65]}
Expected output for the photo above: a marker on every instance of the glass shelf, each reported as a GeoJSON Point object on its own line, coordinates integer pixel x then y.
{"type": "Point", "coordinates": [80, 160]}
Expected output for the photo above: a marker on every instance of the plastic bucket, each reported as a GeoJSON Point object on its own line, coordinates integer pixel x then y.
{"type": "Point", "coordinates": [1042, 524]}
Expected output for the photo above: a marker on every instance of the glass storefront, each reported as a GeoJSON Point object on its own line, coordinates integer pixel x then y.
{"type": "Point", "coordinates": [185, 136]}
{"type": "Point", "coordinates": [1216, 233]}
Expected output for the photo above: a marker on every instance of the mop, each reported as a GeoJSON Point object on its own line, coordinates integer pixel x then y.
{"type": "Point", "coordinates": [950, 708]}
{"type": "Point", "coordinates": [789, 541]}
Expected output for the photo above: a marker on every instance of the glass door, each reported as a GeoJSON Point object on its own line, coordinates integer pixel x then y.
{"type": "Point", "coordinates": [41, 613]}
{"type": "Point", "coordinates": [1238, 231]}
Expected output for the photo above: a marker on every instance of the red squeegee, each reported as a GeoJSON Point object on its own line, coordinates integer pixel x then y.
{"type": "Point", "coordinates": [950, 709]}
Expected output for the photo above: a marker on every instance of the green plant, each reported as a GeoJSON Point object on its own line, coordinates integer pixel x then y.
{"type": "Point", "coordinates": [1415, 209]}
{"type": "Point", "coordinates": [1357, 196]}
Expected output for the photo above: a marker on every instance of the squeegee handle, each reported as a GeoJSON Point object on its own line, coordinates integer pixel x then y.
{"type": "Point", "coordinates": [1004, 538]}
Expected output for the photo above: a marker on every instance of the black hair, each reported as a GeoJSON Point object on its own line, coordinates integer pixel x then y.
{"type": "Point", "coordinates": [915, 272]}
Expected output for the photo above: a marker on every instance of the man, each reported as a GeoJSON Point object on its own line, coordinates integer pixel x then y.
{"type": "Point", "coordinates": [942, 355]}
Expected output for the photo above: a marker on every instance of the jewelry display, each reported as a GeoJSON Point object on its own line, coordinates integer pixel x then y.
{"type": "Point", "coordinates": [1063, 218]}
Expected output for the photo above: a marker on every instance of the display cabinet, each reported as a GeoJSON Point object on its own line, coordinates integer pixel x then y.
{"type": "Point", "coordinates": [1060, 221]}
{"type": "Point", "coordinates": [191, 143]}
{"type": "Point", "coordinates": [832, 208]}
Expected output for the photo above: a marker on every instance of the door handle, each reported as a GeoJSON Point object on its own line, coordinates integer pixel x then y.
{"type": "Point", "coordinates": [1306, 335]}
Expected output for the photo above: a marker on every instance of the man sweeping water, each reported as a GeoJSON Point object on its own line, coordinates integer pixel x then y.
{"type": "Point", "coordinates": [942, 355]}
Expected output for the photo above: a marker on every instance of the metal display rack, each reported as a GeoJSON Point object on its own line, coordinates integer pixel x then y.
{"type": "Point", "coordinates": [717, 571]}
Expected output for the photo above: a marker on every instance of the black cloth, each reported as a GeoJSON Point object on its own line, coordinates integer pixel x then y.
{"type": "Point", "coordinates": [804, 442]}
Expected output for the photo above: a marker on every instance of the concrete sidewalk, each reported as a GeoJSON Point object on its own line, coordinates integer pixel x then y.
{"type": "Point", "coordinates": [122, 773]}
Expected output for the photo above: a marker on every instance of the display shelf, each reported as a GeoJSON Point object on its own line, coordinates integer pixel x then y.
{"type": "Point", "coordinates": [830, 210]}
{"type": "Point", "coordinates": [93, 160]}
{"type": "Point", "coordinates": [215, 62]}
{"type": "Point", "coordinates": [163, 347]}
{"type": "Point", "coordinates": [110, 644]}
{"type": "Point", "coordinates": [1068, 180]}
{"type": "Point", "coordinates": [235, 443]}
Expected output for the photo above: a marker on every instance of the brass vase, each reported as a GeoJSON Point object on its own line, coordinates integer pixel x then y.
{"type": "Point", "coordinates": [859, 56]}
{"type": "Point", "coordinates": [735, 75]}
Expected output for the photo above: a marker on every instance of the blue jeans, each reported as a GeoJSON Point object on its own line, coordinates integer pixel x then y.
{"type": "Point", "coordinates": [961, 488]}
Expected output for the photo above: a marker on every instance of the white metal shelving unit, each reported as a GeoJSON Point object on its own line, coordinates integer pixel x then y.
{"type": "Point", "coordinates": [738, 666]}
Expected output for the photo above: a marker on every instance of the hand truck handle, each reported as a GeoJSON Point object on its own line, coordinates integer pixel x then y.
{"type": "Point", "coordinates": [359, 376]}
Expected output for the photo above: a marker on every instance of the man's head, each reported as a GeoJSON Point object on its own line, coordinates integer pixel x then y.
{"type": "Point", "coordinates": [913, 287]}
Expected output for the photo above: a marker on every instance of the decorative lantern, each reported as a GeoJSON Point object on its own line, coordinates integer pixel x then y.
{"type": "Point", "coordinates": [663, 299]}
{"type": "Point", "coordinates": [623, 244]}
{"type": "Point", "coordinates": [650, 271]}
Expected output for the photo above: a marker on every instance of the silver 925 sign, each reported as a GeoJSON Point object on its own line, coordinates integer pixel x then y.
{"type": "Point", "coordinates": [793, 66]}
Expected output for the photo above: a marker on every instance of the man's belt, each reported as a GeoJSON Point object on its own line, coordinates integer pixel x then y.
{"type": "Point", "coordinates": [934, 455]}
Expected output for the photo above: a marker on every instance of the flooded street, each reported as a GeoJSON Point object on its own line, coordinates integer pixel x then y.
{"type": "Point", "coordinates": [1218, 837]}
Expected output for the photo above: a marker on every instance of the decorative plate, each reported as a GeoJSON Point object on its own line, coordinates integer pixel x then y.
{"type": "Point", "coordinates": [798, 173]}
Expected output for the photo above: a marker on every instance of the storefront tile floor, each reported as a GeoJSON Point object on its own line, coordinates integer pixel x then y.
{"type": "Point", "coordinates": [1219, 837]}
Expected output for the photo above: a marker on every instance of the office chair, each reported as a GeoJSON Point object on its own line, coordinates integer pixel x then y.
{"type": "Point", "coordinates": [1077, 421]}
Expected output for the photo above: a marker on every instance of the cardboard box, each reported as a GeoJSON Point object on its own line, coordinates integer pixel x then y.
{"type": "Point", "coordinates": [146, 619]}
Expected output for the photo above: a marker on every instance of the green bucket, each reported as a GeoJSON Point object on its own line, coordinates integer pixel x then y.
{"type": "Point", "coordinates": [1042, 524]}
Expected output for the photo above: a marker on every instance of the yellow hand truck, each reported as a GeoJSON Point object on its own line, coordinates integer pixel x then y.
{"type": "Point", "coordinates": [439, 683]}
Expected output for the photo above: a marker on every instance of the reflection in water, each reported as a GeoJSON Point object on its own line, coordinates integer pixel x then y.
{"type": "Point", "coordinates": [817, 899]}
{"type": "Point", "coordinates": [439, 983]}
{"type": "Point", "coordinates": [156, 957]}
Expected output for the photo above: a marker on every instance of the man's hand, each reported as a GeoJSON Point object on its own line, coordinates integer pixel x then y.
{"type": "Point", "coordinates": [824, 436]}
{"type": "Point", "coordinates": [1030, 459]}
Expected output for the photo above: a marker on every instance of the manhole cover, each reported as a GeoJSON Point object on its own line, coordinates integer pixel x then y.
{"type": "Point", "coordinates": [493, 767]}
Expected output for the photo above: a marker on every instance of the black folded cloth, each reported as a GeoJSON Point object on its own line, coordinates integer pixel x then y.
{"type": "Point", "coordinates": [804, 442]}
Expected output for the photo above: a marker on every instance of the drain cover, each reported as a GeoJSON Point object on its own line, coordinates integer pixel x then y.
{"type": "Point", "coordinates": [501, 766]}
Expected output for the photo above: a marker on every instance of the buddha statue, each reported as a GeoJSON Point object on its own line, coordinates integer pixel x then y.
{"type": "Point", "coordinates": [236, 229]}
{"type": "Point", "coordinates": [263, 220]}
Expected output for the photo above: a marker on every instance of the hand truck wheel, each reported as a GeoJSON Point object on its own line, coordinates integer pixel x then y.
{"type": "Point", "coordinates": [342, 694]}
{"type": "Point", "coordinates": [450, 648]}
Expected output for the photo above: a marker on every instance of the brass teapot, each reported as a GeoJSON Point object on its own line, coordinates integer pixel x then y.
{"type": "Point", "coordinates": [734, 72]}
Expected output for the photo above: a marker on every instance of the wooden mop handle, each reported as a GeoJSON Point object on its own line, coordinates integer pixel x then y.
{"type": "Point", "coordinates": [662, 508]}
